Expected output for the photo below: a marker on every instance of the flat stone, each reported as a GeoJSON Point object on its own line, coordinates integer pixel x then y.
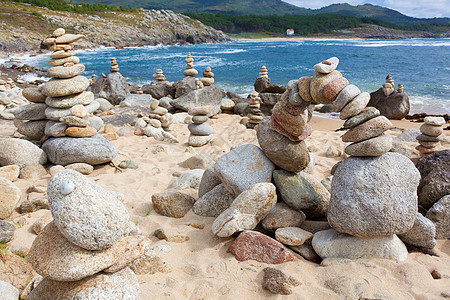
{"type": "Point", "coordinates": [83, 98]}
{"type": "Point", "coordinates": [330, 243]}
{"type": "Point", "coordinates": [200, 119]}
{"type": "Point", "coordinates": [243, 167]}
{"type": "Point", "coordinates": [68, 38]}
{"type": "Point", "coordinates": [82, 168]}
{"type": "Point", "coordinates": [97, 219]}
{"type": "Point", "coordinates": [112, 286]}
{"type": "Point", "coordinates": [318, 82]}
{"type": "Point", "coordinates": [64, 87]}
{"type": "Point", "coordinates": [439, 214]}
{"type": "Point", "coordinates": [62, 54]}
{"type": "Point", "coordinates": [388, 207]}
{"type": "Point", "coordinates": [6, 231]}
{"type": "Point", "coordinates": [65, 72]}
{"type": "Point", "coordinates": [58, 113]}
{"type": "Point", "coordinates": [282, 216]}
{"type": "Point", "coordinates": [429, 145]}
{"type": "Point", "coordinates": [10, 172]}
{"type": "Point", "coordinates": [436, 121]}
{"type": "Point", "coordinates": [33, 94]}
{"type": "Point", "coordinates": [304, 88]}
{"type": "Point", "coordinates": [421, 234]}
{"type": "Point", "coordinates": [214, 202]}
{"type": "Point", "coordinates": [292, 236]}
{"type": "Point", "coordinates": [372, 147]}
{"type": "Point", "coordinates": [199, 161]}
{"type": "Point", "coordinates": [366, 114]}
{"type": "Point", "coordinates": [247, 210]}
{"type": "Point", "coordinates": [75, 121]}
{"type": "Point", "coordinates": [199, 140]}
{"type": "Point", "coordinates": [172, 204]}
{"type": "Point", "coordinates": [200, 129]}
{"type": "Point", "coordinates": [55, 129]}
{"type": "Point", "coordinates": [35, 111]}
{"type": "Point", "coordinates": [344, 97]}
{"type": "Point", "coordinates": [431, 130]}
{"type": "Point", "coordinates": [355, 106]}
{"type": "Point", "coordinates": [277, 282]}
{"type": "Point", "coordinates": [280, 129]}
{"type": "Point", "coordinates": [34, 130]}
{"type": "Point", "coordinates": [67, 150]}
{"type": "Point", "coordinates": [32, 205]}
{"type": "Point", "coordinates": [189, 180]}
{"type": "Point", "coordinates": [327, 66]}
{"type": "Point", "coordinates": [81, 132]}
{"type": "Point", "coordinates": [307, 252]}
{"type": "Point", "coordinates": [332, 89]}
{"type": "Point", "coordinates": [252, 245]}
{"type": "Point", "coordinates": [20, 152]}
{"type": "Point", "coordinates": [288, 155]}
{"type": "Point", "coordinates": [427, 138]}
{"type": "Point", "coordinates": [62, 61]}
{"type": "Point", "coordinates": [369, 129]}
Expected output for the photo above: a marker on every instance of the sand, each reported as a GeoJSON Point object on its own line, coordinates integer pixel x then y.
{"type": "Point", "coordinates": [201, 268]}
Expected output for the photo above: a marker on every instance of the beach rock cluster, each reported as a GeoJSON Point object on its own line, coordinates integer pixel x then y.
{"type": "Point", "coordinates": [112, 87]}
{"type": "Point", "coordinates": [11, 98]}
{"type": "Point", "coordinates": [392, 103]}
{"type": "Point", "coordinates": [200, 132]}
{"type": "Point", "coordinates": [254, 111]}
{"type": "Point", "coordinates": [270, 93]}
{"type": "Point", "coordinates": [85, 251]}
{"type": "Point", "coordinates": [432, 134]}
{"type": "Point", "coordinates": [71, 129]}
{"type": "Point", "coordinates": [156, 122]}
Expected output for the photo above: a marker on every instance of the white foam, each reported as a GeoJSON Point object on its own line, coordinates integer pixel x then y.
{"type": "Point", "coordinates": [30, 77]}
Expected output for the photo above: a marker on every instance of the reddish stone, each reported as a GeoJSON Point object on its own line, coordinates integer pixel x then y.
{"type": "Point", "coordinates": [332, 89]}
{"type": "Point", "coordinates": [278, 128]}
{"type": "Point", "coordinates": [326, 62]}
{"type": "Point", "coordinates": [293, 109]}
{"type": "Point", "coordinates": [257, 246]}
{"type": "Point", "coordinates": [425, 151]}
{"type": "Point", "coordinates": [292, 124]}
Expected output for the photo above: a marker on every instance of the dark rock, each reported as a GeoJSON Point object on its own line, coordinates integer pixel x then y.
{"type": "Point", "coordinates": [35, 204]}
{"type": "Point", "coordinates": [241, 108]}
{"type": "Point", "coordinates": [257, 246]}
{"type": "Point", "coordinates": [185, 85]}
{"type": "Point", "coordinates": [277, 282]}
{"type": "Point", "coordinates": [395, 106]}
{"type": "Point", "coordinates": [263, 85]}
{"type": "Point", "coordinates": [307, 252]}
{"type": "Point", "coordinates": [159, 91]}
{"type": "Point", "coordinates": [236, 98]}
{"type": "Point", "coordinates": [6, 231]}
{"type": "Point", "coordinates": [113, 87]}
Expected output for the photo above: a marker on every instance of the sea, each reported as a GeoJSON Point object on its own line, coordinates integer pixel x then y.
{"type": "Point", "coordinates": [421, 65]}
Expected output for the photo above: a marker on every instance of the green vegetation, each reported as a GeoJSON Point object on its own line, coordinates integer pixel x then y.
{"type": "Point", "coordinates": [302, 25]}
{"type": "Point", "coordinates": [61, 5]}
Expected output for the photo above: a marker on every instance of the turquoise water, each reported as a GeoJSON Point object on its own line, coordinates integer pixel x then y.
{"type": "Point", "coordinates": [421, 65]}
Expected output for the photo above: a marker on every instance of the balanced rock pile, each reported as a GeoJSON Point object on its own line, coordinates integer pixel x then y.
{"type": "Point", "coordinates": [270, 93]}
{"type": "Point", "coordinates": [190, 71]}
{"type": "Point", "coordinates": [157, 123]}
{"type": "Point", "coordinates": [85, 251]}
{"type": "Point", "coordinates": [114, 65]}
{"type": "Point", "coordinates": [201, 133]}
{"type": "Point", "coordinates": [263, 73]}
{"type": "Point", "coordinates": [160, 78]}
{"type": "Point", "coordinates": [254, 112]}
{"type": "Point", "coordinates": [392, 103]}
{"type": "Point", "coordinates": [68, 106]}
{"type": "Point", "coordinates": [432, 135]}
{"type": "Point", "coordinates": [208, 77]}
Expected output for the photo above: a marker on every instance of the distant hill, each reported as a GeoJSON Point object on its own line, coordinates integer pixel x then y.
{"type": "Point", "coordinates": [271, 7]}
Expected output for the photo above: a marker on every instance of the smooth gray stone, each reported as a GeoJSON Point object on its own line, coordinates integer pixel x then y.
{"type": "Point", "coordinates": [208, 182]}
{"type": "Point", "coordinates": [83, 98]}
{"type": "Point", "coordinates": [55, 129]}
{"type": "Point", "coordinates": [214, 202]}
{"type": "Point", "coordinates": [105, 105]}
{"type": "Point", "coordinates": [9, 292]}
{"type": "Point", "coordinates": [200, 129]}
{"type": "Point", "coordinates": [421, 234]}
{"type": "Point", "coordinates": [209, 95]}
{"type": "Point", "coordinates": [58, 113]}
{"type": "Point", "coordinates": [427, 138]}
{"type": "Point", "coordinates": [408, 135]}
{"type": "Point", "coordinates": [372, 147]}
{"type": "Point", "coordinates": [20, 152]}
{"type": "Point", "coordinates": [366, 114]}
{"type": "Point", "coordinates": [34, 130]}
{"type": "Point", "coordinates": [35, 111]}
{"type": "Point", "coordinates": [67, 150]}
{"type": "Point", "coordinates": [96, 122]}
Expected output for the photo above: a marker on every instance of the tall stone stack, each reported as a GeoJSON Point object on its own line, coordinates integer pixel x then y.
{"type": "Point", "coordinates": [254, 115]}
{"type": "Point", "coordinates": [208, 77]}
{"type": "Point", "coordinates": [263, 73]}
{"type": "Point", "coordinates": [270, 93]}
{"type": "Point", "coordinates": [114, 65]}
{"type": "Point", "coordinates": [201, 133]}
{"type": "Point", "coordinates": [432, 135]}
{"type": "Point", "coordinates": [85, 251]}
{"type": "Point", "coordinates": [160, 78]}
{"type": "Point", "coordinates": [69, 108]}
{"type": "Point", "coordinates": [190, 71]}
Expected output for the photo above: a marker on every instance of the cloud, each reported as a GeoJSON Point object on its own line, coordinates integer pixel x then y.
{"type": "Point", "coordinates": [416, 8]}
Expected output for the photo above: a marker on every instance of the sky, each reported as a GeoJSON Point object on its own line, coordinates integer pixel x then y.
{"type": "Point", "coordinates": [412, 8]}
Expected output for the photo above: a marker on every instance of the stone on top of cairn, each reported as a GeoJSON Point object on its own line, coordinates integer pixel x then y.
{"type": "Point", "coordinates": [208, 77]}
{"type": "Point", "coordinates": [263, 73]}
{"type": "Point", "coordinates": [327, 66]}
{"type": "Point", "coordinates": [432, 134]}
{"type": "Point", "coordinates": [254, 111]}
{"type": "Point", "coordinates": [388, 86]}
{"type": "Point", "coordinates": [190, 71]}
{"type": "Point", "coordinates": [114, 65]}
{"type": "Point", "coordinates": [199, 83]}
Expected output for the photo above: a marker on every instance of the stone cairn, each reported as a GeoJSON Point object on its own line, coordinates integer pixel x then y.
{"type": "Point", "coordinates": [199, 83]}
{"type": "Point", "coordinates": [201, 133]}
{"type": "Point", "coordinates": [84, 253]}
{"type": "Point", "coordinates": [208, 77]}
{"type": "Point", "coordinates": [263, 73]}
{"type": "Point", "coordinates": [254, 112]}
{"type": "Point", "coordinates": [190, 71]}
{"type": "Point", "coordinates": [114, 65]}
{"type": "Point", "coordinates": [388, 86]}
{"type": "Point", "coordinates": [160, 78]}
{"type": "Point", "coordinates": [432, 134]}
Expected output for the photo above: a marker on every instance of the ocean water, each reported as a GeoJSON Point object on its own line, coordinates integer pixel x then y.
{"type": "Point", "coordinates": [421, 65]}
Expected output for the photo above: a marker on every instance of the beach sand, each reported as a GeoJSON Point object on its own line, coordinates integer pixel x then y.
{"type": "Point", "coordinates": [201, 268]}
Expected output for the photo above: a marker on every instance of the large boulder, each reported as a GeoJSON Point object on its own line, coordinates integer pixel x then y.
{"type": "Point", "coordinates": [374, 196]}
{"type": "Point", "coordinates": [113, 87]}
{"type": "Point", "coordinates": [263, 85]}
{"type": "Point", "coordinates": [395, 106]}
{"type": "Point", "coordinates": [184, 86]}
{"type": "Point", "coordinates": [159, 91]}
{"type": "Point", "coordinates": [209, 95]}
{"type": "Point", "coordinates": [439, 214]}
{"type": "Point", "coordinates": [20, 152]}
{"type": "Point", "coordinates": [66, 150]}
{"type": "Point", "coordinates": [330, 243]}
